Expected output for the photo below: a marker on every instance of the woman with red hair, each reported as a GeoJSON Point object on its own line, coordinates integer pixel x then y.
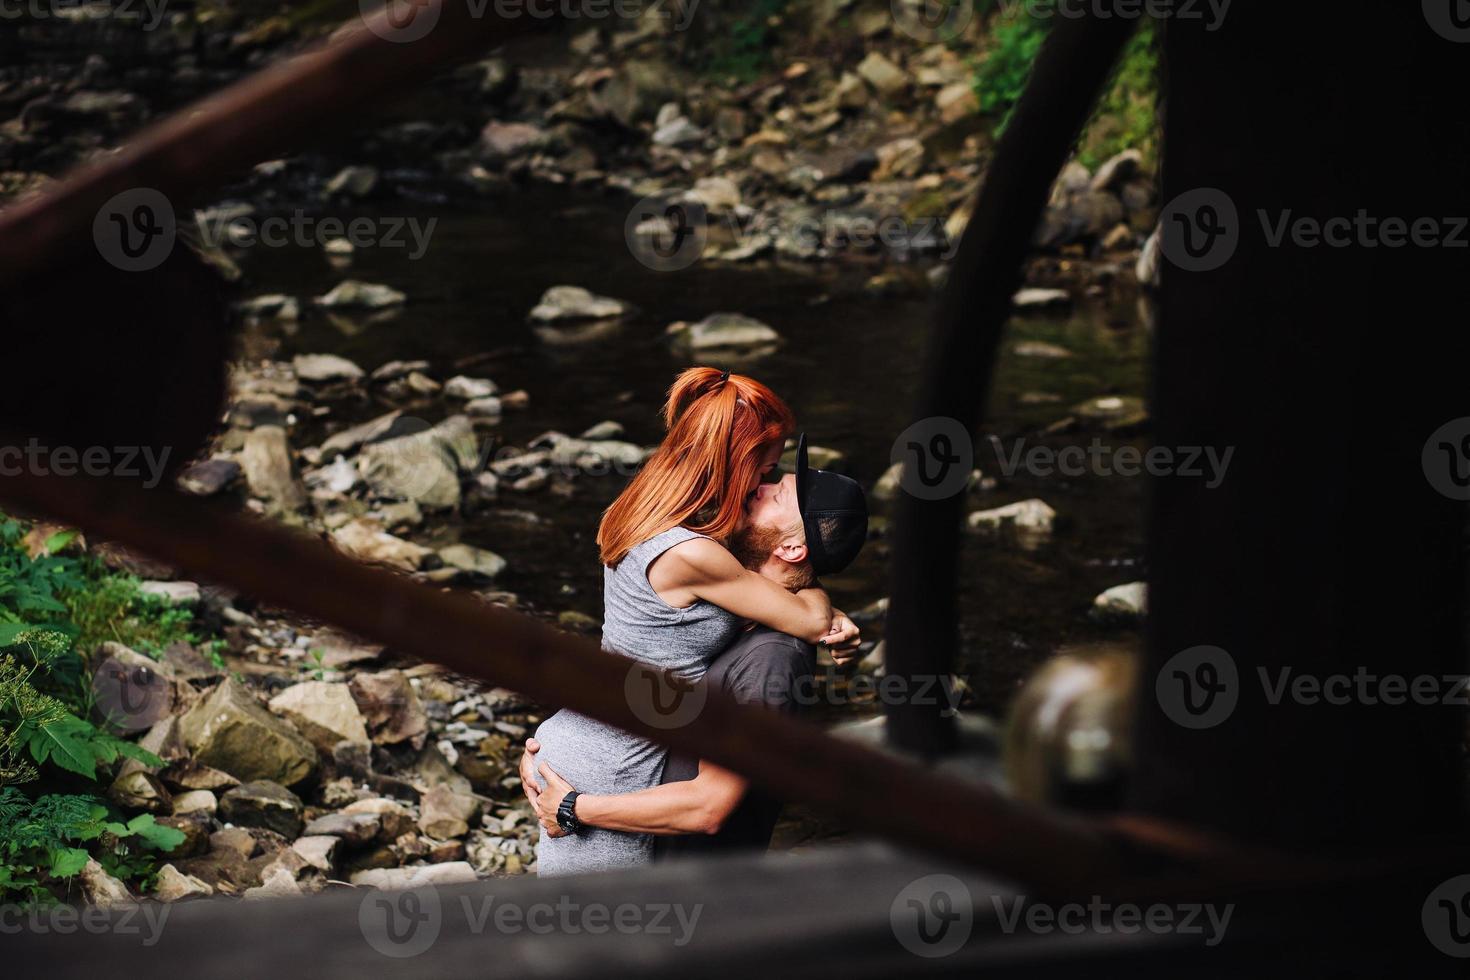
{"type": "Point", "coordinates": [674, 596]}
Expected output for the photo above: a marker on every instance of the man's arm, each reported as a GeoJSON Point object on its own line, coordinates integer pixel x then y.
{"type": "Point", "coordinates": [692, 806]}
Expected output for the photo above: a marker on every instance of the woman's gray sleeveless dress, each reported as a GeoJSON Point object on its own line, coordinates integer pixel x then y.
{"type": "Point", "coordinates": [600, 759]}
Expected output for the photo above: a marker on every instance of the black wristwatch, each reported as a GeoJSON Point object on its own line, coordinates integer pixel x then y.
{"type": "Point", "coordinates": [566, 814]}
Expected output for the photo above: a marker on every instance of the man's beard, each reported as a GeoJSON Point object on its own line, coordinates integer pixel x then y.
{"type": "Point", "coordinates": [753, 545]}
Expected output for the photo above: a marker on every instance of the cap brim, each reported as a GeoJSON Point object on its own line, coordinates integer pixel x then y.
{"type": "Point", "coordinates": [802, 470]}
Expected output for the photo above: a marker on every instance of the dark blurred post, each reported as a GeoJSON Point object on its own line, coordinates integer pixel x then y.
{"type": "Point", "coordinates": [1327, 368]}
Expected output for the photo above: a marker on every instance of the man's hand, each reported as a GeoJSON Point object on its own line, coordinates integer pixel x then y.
{"type": "Point", "coordinates": [843, 640]}
{"type": "Point", "coordinates": [529, 786]}
{"type": "Point", "coordinates": [549, 800]}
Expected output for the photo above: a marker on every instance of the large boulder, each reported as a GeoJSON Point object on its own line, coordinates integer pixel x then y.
{"type": "Point", "coordinates": [230, 731]}
{"type": "Point", "coordinates": [325, 713]}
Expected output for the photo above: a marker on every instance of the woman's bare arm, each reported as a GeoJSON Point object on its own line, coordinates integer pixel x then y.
{"type": "Point", "coordinates": [702, 569]}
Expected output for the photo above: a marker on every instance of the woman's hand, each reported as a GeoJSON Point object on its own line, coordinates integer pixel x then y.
{"type": "Point", "coordinates": [843, 640]}
{"type": "Point", "coordinates": [549, 800]}
{"type": "Point", "coordinates": [529, 786]}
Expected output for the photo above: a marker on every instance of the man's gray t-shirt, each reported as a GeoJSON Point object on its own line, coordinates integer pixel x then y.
{"type": "Point", "coordinates": [762, 667]}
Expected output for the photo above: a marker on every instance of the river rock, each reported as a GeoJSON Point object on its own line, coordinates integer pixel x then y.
{"type": "Point", "coordinates": [352, 294]}
{"type": "Point", "coordinates": [956, 101]}
{"type": "Point", "coordinates": [467, 389]}
{"type": "Point", "coordinates": [475, 561]}
{"type": "Point", "coordinates": [318, 852]}
{"type": "Point", "coordinates": [1086, 216]}
{"type": "Point", "coordinates": [1112, 412]}
{"type": "Point", "coordinates": [484, 408]}
{"type": "Point", "coordinates": [229, 730]}
{"type": "Point", "coordinates": [561, 304]}
{"type": "Point", "coordinates": [389, 879]}
{"type": "Point", "coordinates": [266, 460]}
{"type": "Point", "coordinates": [886, 78]}
{"type": "Point", "coordinates": [208, 477]}
{"type": "Point", "coordinates": [390, 706]}
{"type": "Point", "coordinates": [1040, 349]}
{"type": "Point", "coordinates": [1122, 602]}
{"type": "Point", "coordinates": [172, 885]}
{"type": "Point", "coordinates": [422, 466]}
{"type": "Point", "coordinates": [365, 540]}
{"type": "Point", "coordinates": [717, 194]}
{"type": "Point", "coordinates": [393, 370]}
{"type": "Point", "coordinates": [1025, 515]}
{"type": "Point", "coordinates": [1117, 170]}
{"type": "Point", "coordinates": [324, 712]}
{"type": "Point", "coordinates": [724, 331]}
{"type": "Point", "coordinates": [351, 828]}
{"type": "Point", "coordinates": [393, 817]}
{"type": "Point", "coordinates": [102, 889]}
{"type": "Point", "coordinates": [348, 440]}
{"type": "Point", "coordinates": [352, 182]}
{"type": "Point", "coordinates": [444, 813]}
{"type": "Point", "coordinates": [323, 368]}
{"type": "Point", "coordinates": [271, 306]}
{"type": "Point", "coordinates": [195, 827]}
{"type": "Point", "coordinates": [173, 593]}
{"type": "Point", "coordinates": [596, 456]}
{"type": "Point", "coordinates": [263, 803]}
{"type": "Point", "coordinates": [195, 801]}
{"type": "Point", "coordinates": [679, 131]}
{"type": "Point", "coordinates": [278, 883]}
{"type": "Point", "coordinates": [500, 141]}
{"type": "Point", "coordinates": [903, 157]}
{"type": "Point", "coordinates": [1040, 299]}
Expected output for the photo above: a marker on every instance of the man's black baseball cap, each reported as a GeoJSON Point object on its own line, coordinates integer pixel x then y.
{"type": "Point", "coordinates": [834, 511]}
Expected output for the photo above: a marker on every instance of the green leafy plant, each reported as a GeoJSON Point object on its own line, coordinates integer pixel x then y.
{"type": "Point", "coordinates": [1126, 116]}
{"type": "Point", "coordinates": [39, 838]}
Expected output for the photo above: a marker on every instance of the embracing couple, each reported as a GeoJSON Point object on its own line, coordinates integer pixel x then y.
{"type": "Point", "coordinates": [710, 564]}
